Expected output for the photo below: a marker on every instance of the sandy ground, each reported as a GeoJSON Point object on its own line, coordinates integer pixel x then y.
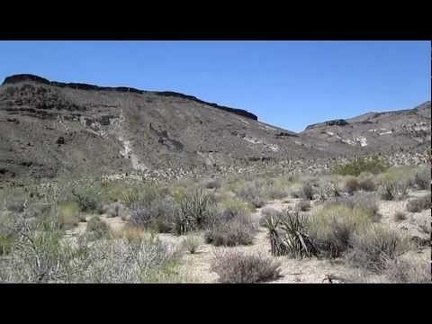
{"type": "Point", "coordinates": [310, 270]}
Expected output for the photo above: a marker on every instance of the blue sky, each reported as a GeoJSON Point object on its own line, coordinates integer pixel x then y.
{"type": "Point", "coordinates": [286, 83]}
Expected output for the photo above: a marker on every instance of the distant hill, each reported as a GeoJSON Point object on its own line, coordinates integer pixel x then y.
{"type": "Point", "coordinates": [408, 129]}
{"type": "Point", "coordinates": [50, 128]}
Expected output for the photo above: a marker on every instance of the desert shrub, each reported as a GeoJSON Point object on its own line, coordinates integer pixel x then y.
{"type": "Point", "coordinates": [307, 191]}
{"type": "Point", "coordinates": [232, 208]}
{"type": "Point", "coordinates": [373, 246]}
{"type": "Point", "coordinates": [192, 243]}
{"type": "Point", "coordinates": [391, 190]}
{"type": "Point", "coordinates": [141, 257]}
{"type": "Point", "coordinates": [399, 216]}
{"type": "Point", "coordinates": [143, 196]}
{"type": "Point", "coordinates": [419, 204]}
{"type": "Point", "coordinates": [425, 226]}
{"type": "Point", "coordinates": [275, 189]}
{"type": "Point", "coordinates": [408, 271]}
{"type": "Point", "coordinates": [252, 193]}
{"type": "Point", "coordinates": [366, 201]}
{"type": "Point", "coordinates": [115, 209]}
{"type": "Point", "coordinates": [303, 205]}
{"type": "Point", "coordinates": [422, 178]}
{"type": "Point", "coordinates": [158, 214]}
{"type": "Point", "coordinates": [373, 165]}
{"type": "Point", "coordinates": [97, 229]}
{"type": "Point", "coordinates": [327, 189]}
{"type": "Point", "coordinates": [351, 185]}
{"type": "Point", "coordinates": [68, 214]}
{"type": "Point", "coordinates": [197, 209]}
{"type": "Point", "coordinates": [366, 182]}
{"type": "Point", "coordinates": [236, 267]}
{"type": "Point", "coordinates": [331, 227]}
{"type": "Point", "coordinates": [131, 234]}
{"type": "Point", "coordinates": [87, 199]}
{"type": "Point", "coordinates": [6, 243]}
{"type": "Point", "coordinates": [237, 231]}
{"type": "Point", "coordinates": [40, 257]}
{"type": "Point", "coordinates": [130, 197]}
{"type": "Point", "coordinates": [16, 205]}
{"type": "Point", "coordinates": [213, 184]}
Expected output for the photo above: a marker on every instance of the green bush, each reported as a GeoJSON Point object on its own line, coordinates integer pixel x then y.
{"type": "Point", "coordinates": [331, 227]}
{"type": "Point", "coordinates": [367, 201]}
{"type": "Point", "coordinates": [373, 165]}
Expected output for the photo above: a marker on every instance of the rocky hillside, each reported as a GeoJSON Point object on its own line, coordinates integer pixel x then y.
{"type": "Point", "coordinates": [49, 128]}
{"type": "Point", "coordinates": [404, 130]}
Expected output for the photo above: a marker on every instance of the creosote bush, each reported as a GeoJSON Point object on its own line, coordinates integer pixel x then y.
{"type": "Point", "coordinates": [331, 227]}
{"type": "Point", "coordinates": [373, 165]}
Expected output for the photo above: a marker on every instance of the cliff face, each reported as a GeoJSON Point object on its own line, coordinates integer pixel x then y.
{"type": "Point", "coordinates": [19, 78]}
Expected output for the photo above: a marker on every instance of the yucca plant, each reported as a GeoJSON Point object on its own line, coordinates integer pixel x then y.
{"type": "Point", "coordinates": [295, 238]}
{"type": "Point", "coordinates": [196, 209]}
{"type": "Point", "coordinates": [271, 222]}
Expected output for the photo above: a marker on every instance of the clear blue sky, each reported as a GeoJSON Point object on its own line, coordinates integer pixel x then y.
{"type": "Point", "coordinates": [286, 83]}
